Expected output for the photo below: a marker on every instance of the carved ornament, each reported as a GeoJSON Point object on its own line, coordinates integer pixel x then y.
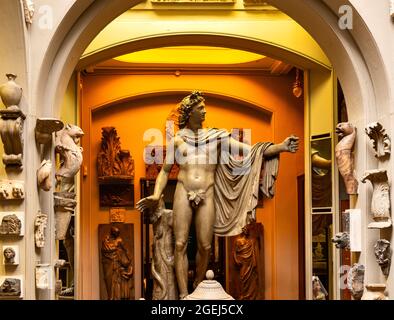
{"type": "Point", "coordinates": [381, 140]}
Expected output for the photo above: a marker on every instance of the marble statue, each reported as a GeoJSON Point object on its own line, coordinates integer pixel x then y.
{"type": "Point", "coordinates": [345, 157]}
{"type": "Point", "coordinates": [223, 197]}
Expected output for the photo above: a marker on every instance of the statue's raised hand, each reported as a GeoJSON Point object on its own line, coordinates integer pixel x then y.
{"type": "Point", "coordinates": [150, 202]}
{"type": "Point", "coordinates": [291, 143]}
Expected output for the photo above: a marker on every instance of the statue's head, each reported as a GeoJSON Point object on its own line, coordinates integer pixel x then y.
{"type": "Point", "coordinates": [186, 107]}
{"type": "Point", "coordinates": [344, 129]}
{"type": "Point", "coordinates": [115, 232]}
{"type": "Point", "coordinates": [9, 253]}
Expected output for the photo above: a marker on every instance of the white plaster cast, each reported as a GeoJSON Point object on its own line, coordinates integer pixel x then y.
{"type": "Point", "coordinates": [355, 230]}
{"type": "Point", "coordinates": [11, 190]}
{"type": "Point", "coordinates": [16, 258]}
{"type": "Point", "coordinates": [44, 175]}
{"type": "Point", "coordinates": [380, 204]}
{"type": "Point", "coordinates": [21, 217]}
{"type": "Point", "coordinates": [43, 276]}
{"type": "Point", "coordinates": [40, 226]}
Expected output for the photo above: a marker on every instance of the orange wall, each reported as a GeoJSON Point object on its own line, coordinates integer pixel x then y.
{"type": "Point", "coordinates": [132, 118]}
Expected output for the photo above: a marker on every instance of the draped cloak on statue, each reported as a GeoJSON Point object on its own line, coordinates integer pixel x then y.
{"type": "Point", "coordinates": [237, 182]}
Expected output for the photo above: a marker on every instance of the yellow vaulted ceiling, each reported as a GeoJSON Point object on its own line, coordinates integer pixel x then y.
{"type": "Point", "coordinates": [190, 55]}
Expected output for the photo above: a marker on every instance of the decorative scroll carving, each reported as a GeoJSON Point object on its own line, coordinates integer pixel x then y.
{"type": "Point", "coordinates": [380, 206]}
{"type": "Point", "coordinates": [381, 140]}
{"type": "Point", "coordinates": [11, 190]}
{"type": "Point", "coordinates": [11, 287]}
{"type": "Point", "coordinates": [112, 161]}
{"type": "Point", "coordinates": [44, 129]}
{"type": "Point", "coordinates": [40, 226]}
{"type": "Point", "coordinates": [375, 291]}
{"type": "Point", "coordinates": [115, 169]}
{"type": "Point", "coordinates": [355, 280]}
{"type": "Point", "coordinates": [11, 123]}
{"type": "Point", "coordinates": [44, 175]}
{"type": "Point", "coordinates": [345, 157]}
{"type": "Point", "coordinates": [342, 240]}
{"type": "Point", "coordinates": [383, 255]}
{"type": "Point", "coordinates": [28, 9]}
{"type": "Point", "coordinates": [164, 282]}
{"type": "Point", "coordinates": [11, 225]}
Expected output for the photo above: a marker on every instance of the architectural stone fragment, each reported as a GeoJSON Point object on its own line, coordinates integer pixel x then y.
{"type": "Point", "coordinates": [383, 255]}
{"type": "Point", "coordinates": [380, 206]}
{"type": "Point", "coordinates": [381, 140]}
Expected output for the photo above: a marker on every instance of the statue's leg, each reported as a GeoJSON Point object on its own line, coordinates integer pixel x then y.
{"type": "Point", "coordinates": [182, 214]}
{"type": "Point", "coordinates": [205, 219]}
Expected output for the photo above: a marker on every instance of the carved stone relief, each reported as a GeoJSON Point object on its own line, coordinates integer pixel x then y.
{"type": "Point", "coordinates": [355, 280]}
{"type": "Point", "coordinates": [11, 190]}
{"type": "Point", "coordinates": [380, 205]}
{"type": "Point", "coordinates": [28, 9]}
{"type": "Point", "coordinates": [44, 175]}
{"type": "Point", "coordinates": [164, 282]}
{"type": "Point", "coordinates": [11, 123]}
{"type": "Point", "coordinates": [375, 291]}
{"type": "Point", "coordinates": [117, 215]}
{"type": "Point", "coordinates": [44, 129]}
{"type": "Point", "coordinates": [40, 226]}
{"type": "Point", "coordinates": [10, 287]}
{"type": "Point", "coordinates": [344, 155]}
{"type": "Point", "coordinates": [383, 255]}
{"type": "Point", "coordinates": [342, 240]}
{"type": "Point", "coordinates": [11, 224]}
{"type": "Point", "coordinates": [11, 255]}
{"type": "Point", "coordinates": [65, 204]}
{"type": "Point", "coordinates": [112, 161]}
{"type": "Point", "coordinates": [43, 276]}
{"type": "Point", "coordinates": [381, 140]}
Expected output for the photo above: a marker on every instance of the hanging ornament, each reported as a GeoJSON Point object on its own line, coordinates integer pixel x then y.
{"type": "Point", "coordinates": [297, 86]}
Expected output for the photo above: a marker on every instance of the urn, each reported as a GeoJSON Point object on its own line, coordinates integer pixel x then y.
{"type": "Point", "coordinates": [11, 93]}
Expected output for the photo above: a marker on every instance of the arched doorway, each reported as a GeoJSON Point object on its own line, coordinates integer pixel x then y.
{"type": "Point", "coordinates": [353, 70]}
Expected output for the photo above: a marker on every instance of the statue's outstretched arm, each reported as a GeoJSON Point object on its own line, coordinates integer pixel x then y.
{"type": "Point", "coordinates": [290, 144]}
{"type": "Point", "coordinates": [161, 182]}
